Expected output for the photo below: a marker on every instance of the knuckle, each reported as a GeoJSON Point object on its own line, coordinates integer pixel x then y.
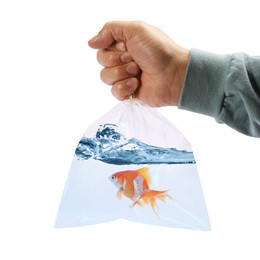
{"type": "Point", "coordinates": [112, 59]}
{"type": "Point", "coordinates": [108, 58]}
{"type": "Point", "coordinates": [117, 73]}
{"type": "Point", "coordinates": [118, 90]}
{"type": "Point", "coordinates": [120, 72]}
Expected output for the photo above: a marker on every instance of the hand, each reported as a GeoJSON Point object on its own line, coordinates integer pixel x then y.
{"type": "Point", "coordinates": [141, 59]}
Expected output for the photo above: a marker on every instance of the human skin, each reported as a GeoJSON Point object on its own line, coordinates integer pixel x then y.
{"type": "Point", "coordinates": [141, 59]}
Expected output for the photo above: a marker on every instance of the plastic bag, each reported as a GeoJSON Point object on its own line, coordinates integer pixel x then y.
{"type": "Point", "coordinates": [133, 164]}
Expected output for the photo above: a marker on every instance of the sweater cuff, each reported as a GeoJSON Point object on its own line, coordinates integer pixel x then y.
{"type": "Point", "coordinates": [203, 89]}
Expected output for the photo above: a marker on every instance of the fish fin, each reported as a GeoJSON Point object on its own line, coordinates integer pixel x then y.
{"type": "Point", "coordinates": [119, 194]}
{"type": "Point", "coordinates": [164, 195]}
{"type": "Point", "coordinates": [145, 173]}
{"type": "Point", "coordinates": [138, 202]}
{"type": "Point", "coordinates": [169, 196]}
{"type": "Point", "coordinates": [145, 200]}
{"type": "Point", "coordinates": [152, 195]}
{"type": "Point", "coordinates": [154, 205]}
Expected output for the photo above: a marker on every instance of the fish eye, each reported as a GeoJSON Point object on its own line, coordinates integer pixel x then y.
{"type": "Point", "coordinates": [113, 177]}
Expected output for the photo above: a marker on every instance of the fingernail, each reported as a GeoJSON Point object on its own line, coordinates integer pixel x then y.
{"type": "Point", "coordinates": [126, 57]}
{"type": "Point", "coordinates": [120, 46]}
{"type": "Point", "coordinates": [132, 68]}
{"type": "Point", "coordinates": [131, 83]}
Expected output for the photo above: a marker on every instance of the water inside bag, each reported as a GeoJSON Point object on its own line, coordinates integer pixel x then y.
{"type": "Point", "coordinates": [133, 164]}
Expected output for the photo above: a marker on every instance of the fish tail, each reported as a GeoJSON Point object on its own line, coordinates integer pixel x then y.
{"type": "Point", "coordinates": [138, 202]}
{"type": "Point", "coordinates": [151, 197]}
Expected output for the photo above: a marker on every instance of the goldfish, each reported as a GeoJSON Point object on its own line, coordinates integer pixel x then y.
{"type": "Point", "coordinates": [135, 185]}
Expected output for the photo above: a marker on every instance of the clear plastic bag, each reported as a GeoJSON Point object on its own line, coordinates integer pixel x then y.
{"type": "Point", "coordinates": [133, 164]}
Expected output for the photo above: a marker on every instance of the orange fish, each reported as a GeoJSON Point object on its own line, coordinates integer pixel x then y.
{"type": "Point", "coordinates": [134, 184]}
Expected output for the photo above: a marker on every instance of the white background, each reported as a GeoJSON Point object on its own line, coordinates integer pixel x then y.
{"type": "Point", "coordinates": [51, 92]}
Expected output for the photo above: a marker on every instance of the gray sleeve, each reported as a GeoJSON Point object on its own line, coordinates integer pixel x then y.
{"type": "Point", "coordinates": [226, 87]}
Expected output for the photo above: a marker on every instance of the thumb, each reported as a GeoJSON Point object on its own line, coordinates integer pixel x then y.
{"type": "Point", "coordinates": [110, 33]}
{"type": "Point", "coordinates": [102, 40]}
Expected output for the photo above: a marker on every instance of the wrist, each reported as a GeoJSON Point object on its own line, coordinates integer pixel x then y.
{"type": "Point", "coordinates": [179, 71]}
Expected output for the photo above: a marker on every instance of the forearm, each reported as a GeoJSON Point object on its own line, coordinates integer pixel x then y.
{"type": "Point", "coordinates": [226, 87]}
